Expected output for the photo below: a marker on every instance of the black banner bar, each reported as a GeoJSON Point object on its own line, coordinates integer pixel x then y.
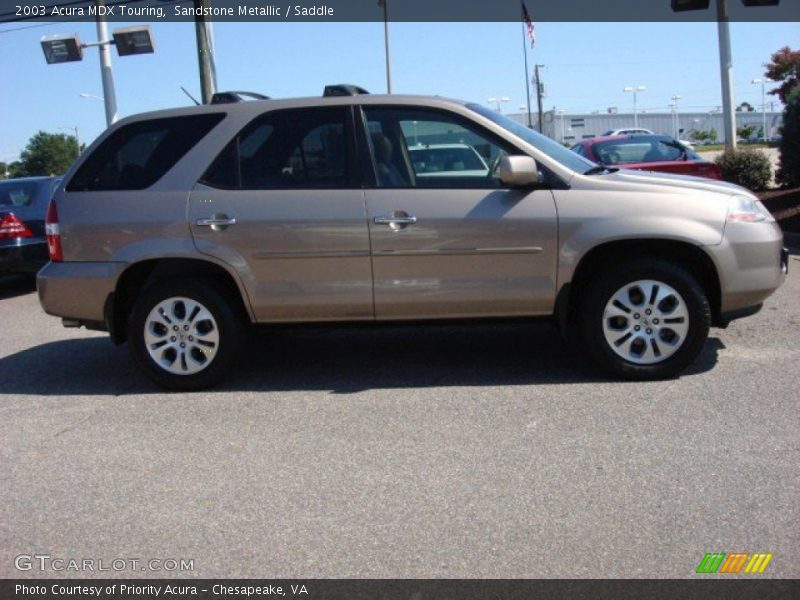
{"type": "Point", "coordinates": [154, 11]}
{"type": "Point", "coordinates": [738, 588]}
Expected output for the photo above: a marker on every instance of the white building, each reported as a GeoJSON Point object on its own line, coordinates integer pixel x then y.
{"type": "Point", "coordinates": [571, 128]}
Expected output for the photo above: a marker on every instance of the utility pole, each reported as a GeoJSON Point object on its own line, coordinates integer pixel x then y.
{"type": "Point", "coordinates": [77, 141]}
{"type": "Point", "coordinates": [539, 96]}
{"type": "Point", "coordinates": [106, 71]}
{"type": "Point", "coordinates": [385, 5]}
{"type": "Point", "coordinates": [726, 70]}
{"type": "Point", "coordinates": [205, 54]}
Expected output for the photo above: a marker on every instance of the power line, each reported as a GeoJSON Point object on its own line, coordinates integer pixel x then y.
{"type": "Point", "coordinates": [34, 26]}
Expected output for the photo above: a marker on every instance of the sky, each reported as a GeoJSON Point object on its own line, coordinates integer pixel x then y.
{"type": "Point", "coordinates": [587, 65]}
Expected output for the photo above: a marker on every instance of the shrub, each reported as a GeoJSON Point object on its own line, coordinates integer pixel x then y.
{"type": "Point", "coordinates": [746, 167]}
{"type": "Point", "coordinates": [789, 171]}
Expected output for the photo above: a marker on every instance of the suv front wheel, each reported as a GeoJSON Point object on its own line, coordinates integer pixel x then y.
{"type": "Point", "coordinates": [644, 319]}
{"type": "Point", "coordinates": [184, 334]}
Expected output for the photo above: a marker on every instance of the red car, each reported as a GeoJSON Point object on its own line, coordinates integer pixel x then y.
{"type": "Point", "coordinates": [646, 153]}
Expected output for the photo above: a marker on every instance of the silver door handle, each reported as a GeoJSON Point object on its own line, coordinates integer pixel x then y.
{"type": "Point", "coordinates": [395, 220]}
{"type": "Point", "coordinates": [216, 222]}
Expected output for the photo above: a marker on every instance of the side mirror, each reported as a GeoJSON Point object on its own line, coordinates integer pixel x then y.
{"type": "Point", "coordinates": [518, 171]}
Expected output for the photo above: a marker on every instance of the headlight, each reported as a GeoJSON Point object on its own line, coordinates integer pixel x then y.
{"type": "Point", "coordinates": [743, 209]}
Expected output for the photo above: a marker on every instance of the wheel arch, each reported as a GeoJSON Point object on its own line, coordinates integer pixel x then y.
{"type": "Point", "coordinates": [140, 275]}
{"type": "Point", "coordinates": [684, 254]}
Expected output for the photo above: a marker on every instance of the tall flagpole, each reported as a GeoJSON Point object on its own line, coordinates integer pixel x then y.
{"type": "Point", "coordinates": [527, 79]}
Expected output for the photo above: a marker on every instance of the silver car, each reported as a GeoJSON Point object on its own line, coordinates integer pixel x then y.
{"type": "Point", "coordinates": [177, 229]}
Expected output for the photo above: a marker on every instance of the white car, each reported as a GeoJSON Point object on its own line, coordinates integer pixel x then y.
{"type": "Point", "coordinates": [447, 160]}
{"type": "Point", "coordinates": [635, 131]}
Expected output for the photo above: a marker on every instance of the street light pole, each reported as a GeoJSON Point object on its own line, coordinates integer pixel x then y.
{"type": "Point", "coordinates": [763, 82]}
{"type": "Point", "coordinates": [106, 70]}
{"type": "Point", "coordinates": [674, 106]}
{"type": "Point", "coordinates": [561, 113]}
{"type": "Point", "coordinates": [128, 40]}
{"type": "Point", "coordinates": [635, 89]}
{"type": "Point", "coordinates": [539, 97]}
{"type": "Point", "coordinates": [497, 100]}
{"type": "Point", "coordinates": [726, 70]}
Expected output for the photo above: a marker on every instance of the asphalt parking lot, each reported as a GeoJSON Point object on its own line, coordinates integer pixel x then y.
{"type": "Point", "coordinates": [396, 452]}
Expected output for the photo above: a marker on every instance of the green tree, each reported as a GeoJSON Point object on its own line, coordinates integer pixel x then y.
{"type": "Point", "coordinates": [785, 68]}
{"type": "Point", "coordinates": [48, 154]}
{"type": "Point", "coordinates": [789, 170]}
{"type": "Point", "coordinates": [746, 131]}
{"type": "Point", "coordinates": [745, 107]}
{"type": "Point", "coordinates": [697, 135]}
{"type": "Point", "coordinates": [10, 170]}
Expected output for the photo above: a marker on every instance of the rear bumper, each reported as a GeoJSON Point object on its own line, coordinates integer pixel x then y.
{"type": "Point", "coordinates": [77, 291]}
{"type": "Point", "coordinates": [23, 255]}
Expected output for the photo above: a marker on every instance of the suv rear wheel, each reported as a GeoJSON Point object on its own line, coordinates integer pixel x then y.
{"type": "Point", "coordinates": [184, 334]}
{"type": "Point", "coordinates": [644, 319]}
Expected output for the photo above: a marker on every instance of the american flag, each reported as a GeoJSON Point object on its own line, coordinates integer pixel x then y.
{"type": "Point", "coordinates": [530, 28]}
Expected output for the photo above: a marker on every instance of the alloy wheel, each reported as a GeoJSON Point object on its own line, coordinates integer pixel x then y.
{"type": "Point", "coordinates": [646, 321]}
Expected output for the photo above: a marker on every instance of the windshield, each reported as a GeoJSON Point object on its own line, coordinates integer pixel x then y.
{"type": "Point", "coordinates": [553, 149]}
{"type": "Point", "coordinates": [641, 149]}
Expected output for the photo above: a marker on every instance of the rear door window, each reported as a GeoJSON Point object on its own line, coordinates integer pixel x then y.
{"type": "Point", "coordinates": [288, 149]}
{"type": "Point", "coordinates": [137, 155]}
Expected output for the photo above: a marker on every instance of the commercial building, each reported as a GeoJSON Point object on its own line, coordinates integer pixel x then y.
{"type": "Point", "coordinates": [570, 128]}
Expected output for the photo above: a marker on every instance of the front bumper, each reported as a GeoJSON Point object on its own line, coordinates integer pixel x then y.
{"type": "Point", "coordinates": [77, 291]}
{"type": "Point", "coordinates": [752, 263]}
{"type": "Point", "coordinates": [23, 255]}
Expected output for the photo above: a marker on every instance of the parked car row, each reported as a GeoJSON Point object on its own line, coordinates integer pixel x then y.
{"type": "Point", "coordinates": [646, 152]}
{"type": "Point", "coordinates": [23, 202]}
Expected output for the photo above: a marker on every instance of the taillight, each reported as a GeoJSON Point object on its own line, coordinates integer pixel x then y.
{"type": "Point", "coordinates": [53, 234]}
{"type": "Point", "coordinates": [11, 226]}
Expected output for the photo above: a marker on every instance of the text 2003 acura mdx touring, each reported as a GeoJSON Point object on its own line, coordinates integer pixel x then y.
{"type": "Point", "coordinates": [179, 227]}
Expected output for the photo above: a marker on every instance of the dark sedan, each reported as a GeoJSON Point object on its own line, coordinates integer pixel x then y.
{"type": "Point", "coordinates": [647, 153]}
{"type": "Point", "coordinates": [23, 203]}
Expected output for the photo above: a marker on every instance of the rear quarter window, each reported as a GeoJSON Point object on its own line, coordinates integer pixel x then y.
{"type": "Point", "coordinates": [17, 194]}
{"type": "Point", "coordinates": [137, 155]}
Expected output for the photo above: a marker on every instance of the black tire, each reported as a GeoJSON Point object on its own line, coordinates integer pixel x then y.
{"type": "Point", "coordinates": [589, 336]}
{"type": "Point", "coordinates": [229, 328]}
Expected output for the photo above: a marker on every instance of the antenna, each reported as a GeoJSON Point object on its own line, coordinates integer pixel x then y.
{"type": "Point", "coordinates": [190, 96]}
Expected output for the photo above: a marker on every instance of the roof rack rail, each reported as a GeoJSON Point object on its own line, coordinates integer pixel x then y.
{"type": "Point", "coordinates": [235, 96]}
{"type": "Point", "coordinates": [343, 89]}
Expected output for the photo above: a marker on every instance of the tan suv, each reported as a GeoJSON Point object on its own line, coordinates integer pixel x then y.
{"type": "Point", "coordinates": [178, 228]}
